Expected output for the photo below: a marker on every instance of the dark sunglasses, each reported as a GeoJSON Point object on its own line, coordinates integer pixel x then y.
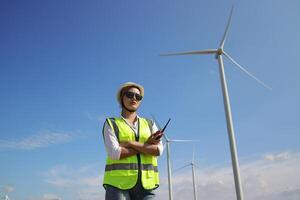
{"type": "Point", "coordinates": [130, 95]}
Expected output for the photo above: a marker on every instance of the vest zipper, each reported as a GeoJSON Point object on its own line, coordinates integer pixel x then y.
{"type": "Point", "coordinates": [137, 138]}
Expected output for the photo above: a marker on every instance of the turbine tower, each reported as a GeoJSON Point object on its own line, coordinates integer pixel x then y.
{"type": "Point", "coordinates": [167, 143]}
{"type": "Point", "coordinates": [219, 53]}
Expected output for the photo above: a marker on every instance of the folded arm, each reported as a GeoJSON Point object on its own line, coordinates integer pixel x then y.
{"type": "Point", "coordinates": [118, 151]}
{"type": "Point", "coordinates": [127, 152]}
{"type": "Point", "coordinates": [150, 147]}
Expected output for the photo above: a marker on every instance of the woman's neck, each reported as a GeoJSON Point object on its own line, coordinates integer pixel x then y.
{"type": "Point", "coordinates": [129, 116]}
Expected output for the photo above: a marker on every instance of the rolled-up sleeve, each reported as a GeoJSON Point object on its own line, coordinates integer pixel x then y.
{"type": "Point", "coordinates": [111, 142]}
{"type": "Point", "coordinates": [160, 144]}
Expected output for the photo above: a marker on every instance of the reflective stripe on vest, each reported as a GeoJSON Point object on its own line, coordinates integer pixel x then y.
{"type": "Point", "coordinates": [123, 173]}
{"type": "Point", "coordinates": [130, 166]}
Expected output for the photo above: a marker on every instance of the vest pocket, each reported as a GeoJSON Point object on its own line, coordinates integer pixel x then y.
{"type": "Point", "coordinates": [149, 174]}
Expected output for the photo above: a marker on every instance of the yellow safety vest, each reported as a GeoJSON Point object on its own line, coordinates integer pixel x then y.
{"type": "Point", "coordinates": [123, 173]}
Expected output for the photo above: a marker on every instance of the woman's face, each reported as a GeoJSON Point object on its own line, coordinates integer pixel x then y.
{"type": "Point", "coordinates": [131, 99]}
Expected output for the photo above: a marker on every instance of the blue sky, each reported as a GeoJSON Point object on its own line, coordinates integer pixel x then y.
{"type": "Point", "coordinates": [63, 61]}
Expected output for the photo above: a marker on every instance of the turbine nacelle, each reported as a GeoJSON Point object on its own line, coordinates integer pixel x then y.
{"type": "Point", "coordinates": [219, 52]}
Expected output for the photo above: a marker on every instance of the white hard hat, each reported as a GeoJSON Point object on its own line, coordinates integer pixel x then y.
{"type": "Point", "coordinates": [127, 85]}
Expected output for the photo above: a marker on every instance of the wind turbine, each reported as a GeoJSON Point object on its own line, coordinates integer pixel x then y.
{"type": "Point", "coordinates": [192, 164]}
{"type": "Point", "coordinates": [167, 143]}
{"type": "Point", "coordinates": [219, 53]}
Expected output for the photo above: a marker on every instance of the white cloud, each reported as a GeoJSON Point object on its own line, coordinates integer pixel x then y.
{"type": "Point", "coordinates": [43, 139]}
{"type": "Point", "coordinates": [86, 180]}
{"type": "Point", "coordinates": [51, 197]}
{"type": "Point", "coordinates": [269, 179]}
{"type": "Point", "coordinates": [279, 156]}
{"type": "Point", "coordinates": [9, 189]}
{"type": "Point", "coordinates": [262, 178]}
{"type": "Point", "coordinates": [46, 197]}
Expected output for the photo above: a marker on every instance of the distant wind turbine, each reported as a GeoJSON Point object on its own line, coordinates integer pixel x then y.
{"type": "Point", "coordinates": [218, 53]}
{"type": "Point", "coordinates": [167, 143]}
{"type": "Point", "coordinates": [192, 164]}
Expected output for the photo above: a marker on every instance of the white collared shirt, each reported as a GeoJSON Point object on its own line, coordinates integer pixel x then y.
{"type": "Point", "coordinates": [111, 142]}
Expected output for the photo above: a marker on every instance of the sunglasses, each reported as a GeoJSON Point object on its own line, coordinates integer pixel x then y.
{"type": "Point", "coordinates": [130, 95]}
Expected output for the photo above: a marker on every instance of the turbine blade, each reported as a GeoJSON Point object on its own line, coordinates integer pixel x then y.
{"type": "Point", "coordinates": [155, 121]}
{"type": "Point", "coordinates": [247, 72]}
{"type": "Point", "coordinates": [166, 138]}
{"type": "Point", "coordinates": [196, 166]}
{"type": "Point", "coordinates": [226, 30]}
{"type": "Point", "coordinates": [175, 140]}
{"type": "Point", "coordinates": [164, 144]}
{"type": "Point", "coordinates": [206, 51]}
{"type": "Point", "coordinates": [176, 170]}
{"type": "Point", "coordinates": [159, 127]}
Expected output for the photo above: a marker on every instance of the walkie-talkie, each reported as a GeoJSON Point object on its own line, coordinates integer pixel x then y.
{"type": "Point", "coordinates": [162, 130]}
